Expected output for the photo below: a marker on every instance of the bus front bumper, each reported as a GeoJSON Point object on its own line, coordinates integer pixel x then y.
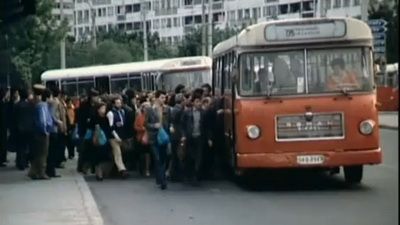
{"type": "Point", "coordinates": [290, 159]}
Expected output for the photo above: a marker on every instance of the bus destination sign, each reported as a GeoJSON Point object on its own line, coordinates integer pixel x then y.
{"type": "Point", "coordinates": [301, 31]}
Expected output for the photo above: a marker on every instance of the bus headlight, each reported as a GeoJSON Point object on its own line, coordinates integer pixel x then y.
{"type": "Point", "coordinates": [367, 126]}
{"type": "Point", "coordinates": [253, 132]}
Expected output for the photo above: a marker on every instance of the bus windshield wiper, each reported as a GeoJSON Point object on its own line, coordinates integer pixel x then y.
{"type": "Point", "coordinates": [345, 92]}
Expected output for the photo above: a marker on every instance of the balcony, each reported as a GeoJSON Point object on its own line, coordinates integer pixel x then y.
{"type": "Point", "coordinates": [165, 12]}
{"type": "Point", "coordinates": [121, 17]}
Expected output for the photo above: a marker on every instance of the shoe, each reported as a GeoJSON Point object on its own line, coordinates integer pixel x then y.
{"type": "Point", "coordinates": [44, 177]}
{"type": "Point", "coordinates": [55, 176]}
{"type": "Point", "coordinates": [124, 174]}
{"type": "Point", "coordinates": [99, 178]}
{"type": "Point", "coordinates": [61, 166]}
{"type": "Point", "coordinates": [147, 174]}
{"type": "Point", "coordinates": [163, 187]}
{"type": "Point", "coordinates": [3, 164]}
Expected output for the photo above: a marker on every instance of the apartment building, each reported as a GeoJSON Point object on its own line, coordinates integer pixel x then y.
{"type": "Point", "coordinates": [172, 19]}
{"type": "Point", "coordinates": [68, 12]}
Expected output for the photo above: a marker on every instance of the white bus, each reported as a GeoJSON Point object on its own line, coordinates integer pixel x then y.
{"type": "Point", "coordinates": [162, 74]}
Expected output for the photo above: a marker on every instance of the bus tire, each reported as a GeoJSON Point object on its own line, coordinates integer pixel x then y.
{"type": "Point", "coordinates": [353, 174]}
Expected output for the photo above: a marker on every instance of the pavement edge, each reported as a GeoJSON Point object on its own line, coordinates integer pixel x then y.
{"type": "Point", "coordinates": [88, 202]}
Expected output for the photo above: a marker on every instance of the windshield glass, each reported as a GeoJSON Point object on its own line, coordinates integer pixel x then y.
{"type": "Point", "coordinates": [305, 71]}
{"type": "Point", "coordinates": [191, 79]}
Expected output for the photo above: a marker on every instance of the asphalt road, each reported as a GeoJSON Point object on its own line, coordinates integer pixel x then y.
{"type": "Point", "coordinates": [298, 199]}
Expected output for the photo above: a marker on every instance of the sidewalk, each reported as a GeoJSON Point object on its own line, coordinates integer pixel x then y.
{"type": "Point", "coordinates": [59, 201]}
{"type": "Point", "coordinates": [389, 120]}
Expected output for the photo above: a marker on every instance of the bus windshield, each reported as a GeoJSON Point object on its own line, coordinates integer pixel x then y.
{"type": "Point", "coordinates": [309, 71]}
{"type": "Point", "coordinates": [191, 79]}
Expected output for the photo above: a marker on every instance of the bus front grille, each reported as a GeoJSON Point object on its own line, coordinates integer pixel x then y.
{"type": "Point", "coordinates": [309, 126]}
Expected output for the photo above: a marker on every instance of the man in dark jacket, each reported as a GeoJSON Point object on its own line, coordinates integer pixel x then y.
{"type": "Point", "coordinates": [194, 136]}
{"type": "Point", "coordinates": [176, 166]}
{"type": "Point", "coordinates": [24, 111]}
{"type": "Point", "coordinates": [4, 95]}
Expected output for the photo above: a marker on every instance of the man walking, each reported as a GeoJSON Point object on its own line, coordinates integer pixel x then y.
{"type": "Point", "coordinates": [42, 124]}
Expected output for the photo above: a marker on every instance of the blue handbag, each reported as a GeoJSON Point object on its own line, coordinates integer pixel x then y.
{"type": "Point", "coordinates": [101, 136]}
{"type": "Point", "coordinates": [162, 137]}
{"type": "Point", "coordinates": [88, 134]}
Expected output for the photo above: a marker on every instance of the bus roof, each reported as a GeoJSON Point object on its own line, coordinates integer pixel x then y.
{"type": "Point", "coordinates": [295, 31]}
{"type": "Point", "coordinates": [123, 68]}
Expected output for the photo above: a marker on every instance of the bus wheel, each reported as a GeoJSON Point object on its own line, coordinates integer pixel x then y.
{"type": "Point", "coordinates": [353, 174]}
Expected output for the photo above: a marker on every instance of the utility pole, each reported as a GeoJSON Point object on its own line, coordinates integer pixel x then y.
{"type": "Point", "coordinates": [62, 44]}
{"type": "Point", "coordinates": [364, 10]}
{"type": "Point", "coordinates": [203, 28]}
{"type": "Point", "coordinates": [93, 11]}
{"type": "Point", "coordinates": [210, 27]}
{"type": "Point", "coordinates": [145, 47]}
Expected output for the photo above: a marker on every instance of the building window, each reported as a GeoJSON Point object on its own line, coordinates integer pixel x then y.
{"type": "Point", "coordinates": [136, 8]}
{"type": "Point", "coordinates": [197, 2]}
{"type": "Point", "coordinates": [197, 19]}
{"type": "Point", "coordinates": [188, 20]}
{"type": "Point", "coordinates": [283, 9]}
{"type": "Point", "coordinates": [328, 4]}
{"type": "Point", "coordinates": [80, 31]}
{"type": "Point", "coordinates": [232, 15]}
{"type": "Point", "coordinates": [346, 3]}
{"type": "Point", "coordinates": [247, 13]}
{"type": "Point", "coordinates": [129, 26]}
{"type": "Point", "coordinates": [137, 25]}
{"type": "Point", "coordinates": [337, 3]}
{"type": "Point", "coordinates": [356, 2]}
{"type": "Point", "coordinates": [177, 22]}
{"type": "Point", "coordinates": [240, 14]}
{"type": "Point", "coordinates": [295, 8]}
{"type": "Point", "coordinates": [80, 17]}
{"type": "Point", "coordinates": [169, 24]}
{"type": "Point", "coordinates": [110, 11]}
{"type": "Point", "coordinates": [188, 2]}
{"type": "Point", "coordinates": [86, 16]}
{"type": "Point", "coordinates": [255, 13]}
{"type": "Point", "coordinates": [156, 24]}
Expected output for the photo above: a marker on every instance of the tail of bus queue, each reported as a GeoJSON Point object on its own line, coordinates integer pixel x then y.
{"type": "Point", "coordinates": [299, 94]}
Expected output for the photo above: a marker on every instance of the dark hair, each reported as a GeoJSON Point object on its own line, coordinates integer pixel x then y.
{"type": "Point", "coordinates": [130, 93]}
{"type": "Point", "coordinates": [338, 61]}
{"type": "Point", "coordinates": [142, 99]}
{"type": "Point", "coordinates": [55, 91]}
{"type": "Point", "coordinates": [125, 99]}
{"type": "Point", "coordinates": [198, 91]}
{"type": "Point", "coordinates": [99, 105]}
{"type": "Point", "coordinates": [159, 93]}
{"type": "Point", "coordinates": [196, 96]}
{"type": "Point", "coordinates": [46, 94]}
{"type": "Point", "coordinates": [115, 99]}
{"type": "Point", "coordinates": [23, 94]}
{"type": "Point", "coordinates": [179, 88]}
{"type": "Point", "coordinates": [206, 86]}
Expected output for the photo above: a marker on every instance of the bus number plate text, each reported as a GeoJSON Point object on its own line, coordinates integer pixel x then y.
{"type": "Point", "coordinates": [310, 159]}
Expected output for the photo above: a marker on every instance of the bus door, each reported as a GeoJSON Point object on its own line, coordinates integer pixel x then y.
{"type": "Point", "coordinates": [103, 84]}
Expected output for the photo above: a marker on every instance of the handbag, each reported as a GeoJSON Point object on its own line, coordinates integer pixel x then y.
{"type": "Point", "coordinates": [99, 137]}
{"type": "Point", "coordinates": [162, 137]}
{"type": "Point", "coordinates": [88, 134]}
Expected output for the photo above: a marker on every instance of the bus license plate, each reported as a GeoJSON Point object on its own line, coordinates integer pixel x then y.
{"type": "Point", "coordinates": [310, 159]}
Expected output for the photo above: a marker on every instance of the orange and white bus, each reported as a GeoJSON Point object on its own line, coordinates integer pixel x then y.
{"type": "Point", "coordinates": [299, 94]}
{"type": "Point", "coordinates": [388, 88]}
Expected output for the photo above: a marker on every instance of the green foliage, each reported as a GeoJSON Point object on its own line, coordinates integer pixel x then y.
{"type": "Point", "coordinates": [31, 40]}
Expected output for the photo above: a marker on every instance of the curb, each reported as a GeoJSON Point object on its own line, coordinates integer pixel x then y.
{"type": "Point", "coordinates": [88, 202]}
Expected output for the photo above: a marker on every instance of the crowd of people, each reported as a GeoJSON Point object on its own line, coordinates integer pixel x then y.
{"type": "Point", "coordinates": [172, 136]}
